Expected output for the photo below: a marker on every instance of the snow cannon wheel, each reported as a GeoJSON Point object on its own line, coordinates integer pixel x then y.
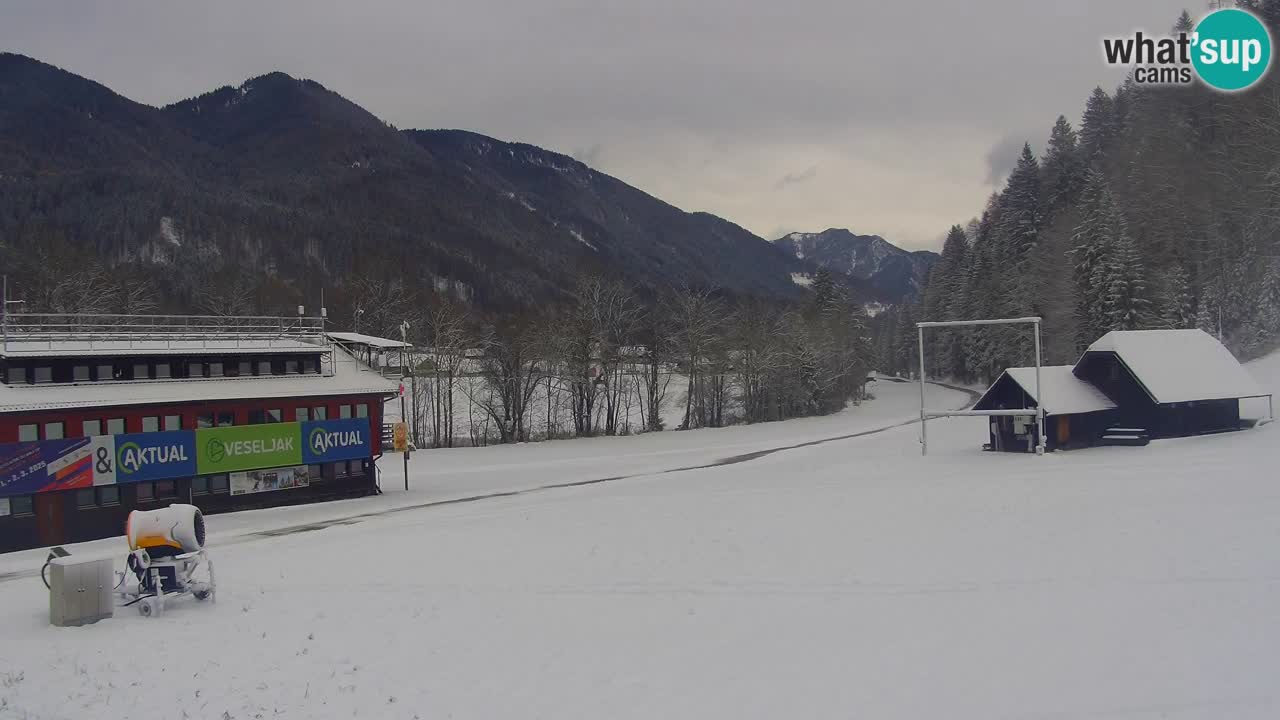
{"type": "Point", "coordinates": [149, 607]}
{"type": "Point", "coordinates": [201, 592]}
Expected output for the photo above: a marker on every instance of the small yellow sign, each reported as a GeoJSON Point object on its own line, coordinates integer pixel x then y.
{"type": "Point", "coordinates": [400, 436]}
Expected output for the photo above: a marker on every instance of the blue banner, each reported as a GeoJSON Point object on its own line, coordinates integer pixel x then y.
{"type": "Point", "coordinates": [333, 440]}
{"type": "Point", "coordinates": [152, 456]}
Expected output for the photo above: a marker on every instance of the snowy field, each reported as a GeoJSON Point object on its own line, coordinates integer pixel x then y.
{"type": "Point", "coordinates": [851, 578]}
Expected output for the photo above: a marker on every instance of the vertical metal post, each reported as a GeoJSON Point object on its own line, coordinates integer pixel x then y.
{"type": "Point", "coordinates": [1042, 434]}
{"type": "Point", "coordinates": [924, 430]}
{"type": "Point", "coordinates": [404, 454]}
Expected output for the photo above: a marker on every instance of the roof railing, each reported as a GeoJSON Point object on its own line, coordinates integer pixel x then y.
{"type": "Point", "coordinates": [92, 331]}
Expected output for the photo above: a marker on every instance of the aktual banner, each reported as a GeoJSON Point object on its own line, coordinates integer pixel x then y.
{"type": "Point", "coordinates": [256, 481]}
{"type": "Point", "coordinates": [151, 456]}
{"type": "Point", "coordinates": [333, 440]}
{"type": "Point", "coordinates": [246, 447]}
{"type": "Point", "coordinates": [45, 466]}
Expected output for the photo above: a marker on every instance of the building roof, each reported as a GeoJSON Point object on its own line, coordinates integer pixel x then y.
{"type": "Point", "coordinates": [370, 340]}
{"type": "Point", "coordinates": [1179, 365]}
{"type": "Point", "coordinates": [349, 377]}
{"type": "Point", "coordinates": [158, 346]}
{"type": "Point", "coordinates": [1064, 393]}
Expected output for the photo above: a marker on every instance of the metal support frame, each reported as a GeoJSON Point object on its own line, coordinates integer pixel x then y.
{"type": "Point", "coordinates": [1042, 437]}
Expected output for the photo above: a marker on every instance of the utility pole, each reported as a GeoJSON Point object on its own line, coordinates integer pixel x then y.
{"type": "Point", "coordinates": [404, 375]}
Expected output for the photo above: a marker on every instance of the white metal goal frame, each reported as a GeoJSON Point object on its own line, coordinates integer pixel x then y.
{"type": "Point", "coordinates": [1037, 411]}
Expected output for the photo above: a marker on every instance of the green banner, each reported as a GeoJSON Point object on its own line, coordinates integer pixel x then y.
{"type": "Point", "coordinates": [248, 447]}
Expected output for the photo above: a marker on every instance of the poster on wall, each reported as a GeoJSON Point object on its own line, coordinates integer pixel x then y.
{"type": "Point", "coordinates": [256, 481]}
{"type": "Point", "coordinates": [33, 467]}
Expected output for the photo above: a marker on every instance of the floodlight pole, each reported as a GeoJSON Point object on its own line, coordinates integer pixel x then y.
{"type": "Point", "coordinates": [1042, 435]}
{"type": "Point", "coordinates": [924, 429]}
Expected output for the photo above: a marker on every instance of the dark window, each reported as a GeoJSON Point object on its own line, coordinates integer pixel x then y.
{"type": "Point", "coordinates": [246, 367]}
{"type": "Point", "coordinates": [308, 365]}
{"type": "Point", "coordinates": [344, 412]}
{"type": "Point", "coordinates": [303, 414]}
{"type": "Point", "coordinates": [215, 369]}
{"type": "Point", "coordinates": [275, 416]}
{"type": "Point", "coordinates": [291, 366]}
{"type": "Point", "coordinates": [172, 422]}
{"type": "Point", "coordinates": [80, 373]}
{"type": "Point", "coordinates": [145, 491]}
{"type": "Point", "coordinates": [195, 370]}
{"type": "Point", "coordinates": [54, 431]}
{"type": "Point", "coordinates": [151, 423]}
{"type": "Point", "coordinates": [86, 498]}
{"type": "Point", "coordinates": [226, 418]}
{"type": "Point", "coordinates": [320, 413]}
{"type": "Point", "coordinates": [108, 495]}
{"type": "Point", "coordinates": [141, 371]}
{"type": "Point", "coordinates": [115, 426]}
{"type": "Point", "coordinates": [362, 410]}
{"type": "Point", "coordinates": [166, 490]}
{"type": "Point", "coordinates": [264, 367]}
{"type": "Point", "coordinates": [17, 375]}
{"type": "Point", "coordinates": [257, 417]}
{"type": "Point", "coordinates": [91, 428]}
{"type": "Point", "coordinates": [106, 372]}
{"type": "Point", "coordinates": [28, 433]}
{"type": "Point", "coordinates": [200, 486]}
{"type": "Point", "coordinates": [219, 484]}
{"type": "Point", "coordinates": [204, 420]}
{"type": "Point", "coordinates": [340, 469]}
{"type": "Point", "coordinates": [162, 370]}
{"type": "Point", "coordinates": [44, 374]}
{"type": "Point", "coordinates": [313, 473]}
{"type": "Point", "coordinates": [21, 505]}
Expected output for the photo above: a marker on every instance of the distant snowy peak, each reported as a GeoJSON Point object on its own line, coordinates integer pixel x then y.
{"type": "Point", "coordinates": [896, 273]}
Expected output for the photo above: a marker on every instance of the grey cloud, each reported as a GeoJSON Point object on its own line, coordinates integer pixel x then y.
{"type": "Point", "coordinates": [1002, 158]}
{"type": "Point", "coordinates": [589, 156]}
{"type": "Point", "coordinates": [797, 178]}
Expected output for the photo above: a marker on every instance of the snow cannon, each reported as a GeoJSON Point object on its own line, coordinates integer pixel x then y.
{"type": "Point", "coordinates": [173, 530]}
{"type": "Point", "coordinates": [167, 558]}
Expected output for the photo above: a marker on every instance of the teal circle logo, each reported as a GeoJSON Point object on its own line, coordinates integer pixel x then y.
{"type": "Point", "coordinates": [1231, 50]}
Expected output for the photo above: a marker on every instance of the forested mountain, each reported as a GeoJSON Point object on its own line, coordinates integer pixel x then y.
{"type": "Point", "coordinates": [892, 273]}
{"type": "Point", "coordinates": [1161, 210]}
{"type": "Point", "coordinates": [255, 198]}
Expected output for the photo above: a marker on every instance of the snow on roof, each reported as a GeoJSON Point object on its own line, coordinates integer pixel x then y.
{"type": "Point", "coordinates": [83, 347]}
{"type": "Point", "coordinates": [1065, 394]}
{"type": "Point", "coordinates": [1179, 365]}
{"type": "Point", "coordinates": [372, 341]}
{"type": "Point", "coordinates": [350, 377]}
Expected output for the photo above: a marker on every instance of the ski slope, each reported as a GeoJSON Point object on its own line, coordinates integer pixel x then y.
{"type": "Point", "coordinates": [850, 578]}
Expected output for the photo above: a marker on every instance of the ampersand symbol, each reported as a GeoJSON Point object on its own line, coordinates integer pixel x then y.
{"type": "Point", "coordinates": [104, 461]}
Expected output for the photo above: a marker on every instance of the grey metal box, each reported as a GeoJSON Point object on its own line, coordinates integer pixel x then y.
{"type": "Point", "coordinates": [80, 591]}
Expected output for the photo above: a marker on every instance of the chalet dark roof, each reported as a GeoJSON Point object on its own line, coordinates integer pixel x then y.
{"type": "Point", "coordinates": [1178, 365]}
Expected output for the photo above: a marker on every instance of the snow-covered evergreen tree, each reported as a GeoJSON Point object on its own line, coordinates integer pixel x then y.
{"type": "Point", "coordinates": [1099, 124]}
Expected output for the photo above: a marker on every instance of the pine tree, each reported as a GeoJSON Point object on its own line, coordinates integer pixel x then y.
{"type": "Point", "coordinates": [1020, 205]}
{"type": "Point", "coordinates": [1093, 238]}
{"type": "Point", "coordinates": [1099, 124]}
{"type": "Point", "coordinates": [1184, 24]}
{"type": "Point", "coordinates": [1062, 167]}
{"type": "Point", "coordinates": [1179, 299]}
{"type": "Point", "coordinates": [1126, 304]}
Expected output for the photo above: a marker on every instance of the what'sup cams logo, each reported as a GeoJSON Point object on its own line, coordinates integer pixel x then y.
{"type": "Point", "coordinates": [1227, 50]}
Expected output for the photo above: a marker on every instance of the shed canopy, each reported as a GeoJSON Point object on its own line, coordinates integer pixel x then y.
{"type": "Point", "coordinates": [1179, 365]}
{"type": "Point", "coordinates": [370, 340]}
{"type": "Point", "coordinates": [1064, 393]}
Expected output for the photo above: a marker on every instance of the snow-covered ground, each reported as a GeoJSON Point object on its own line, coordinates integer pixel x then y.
{"type": "Point", "coordinates": [851, 578]}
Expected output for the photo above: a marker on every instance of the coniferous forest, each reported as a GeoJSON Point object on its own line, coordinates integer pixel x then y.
{"type": "Point", "coordinates": [1160, 209]}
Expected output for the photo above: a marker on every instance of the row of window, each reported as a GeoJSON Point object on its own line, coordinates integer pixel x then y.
{"type": "Point", "coordinates": [162, 370]}
{"type": "Point", "coordinates": [57, 430]}
{"type": "Point", "coordinates": [167, 490]}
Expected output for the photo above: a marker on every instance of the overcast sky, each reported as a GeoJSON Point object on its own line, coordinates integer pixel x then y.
{"type": "Point", "coordinates": [881, 116]}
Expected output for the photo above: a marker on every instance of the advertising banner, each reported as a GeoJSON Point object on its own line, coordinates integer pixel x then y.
{"type": "Point", "coordinates": [246, 447]}
{"type": "Point", "coordinates": [150, 456]}
{"type": "Point", "coordinates": [256, 481]}
{"type": "Point", "coordinates": [334, 440]}
{"type": "Point", "coordinates": [33, 467]}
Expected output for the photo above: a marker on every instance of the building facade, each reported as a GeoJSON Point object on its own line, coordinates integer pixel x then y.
{"type": "Point", "coordinates": [101, 415]}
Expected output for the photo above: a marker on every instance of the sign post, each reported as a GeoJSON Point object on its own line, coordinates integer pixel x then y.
{"type": "Point", "coordinates": [401, 437]}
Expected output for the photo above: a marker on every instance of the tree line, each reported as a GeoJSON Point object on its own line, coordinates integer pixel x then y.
{"type": "Point", "coordinates": [1161, 210]}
